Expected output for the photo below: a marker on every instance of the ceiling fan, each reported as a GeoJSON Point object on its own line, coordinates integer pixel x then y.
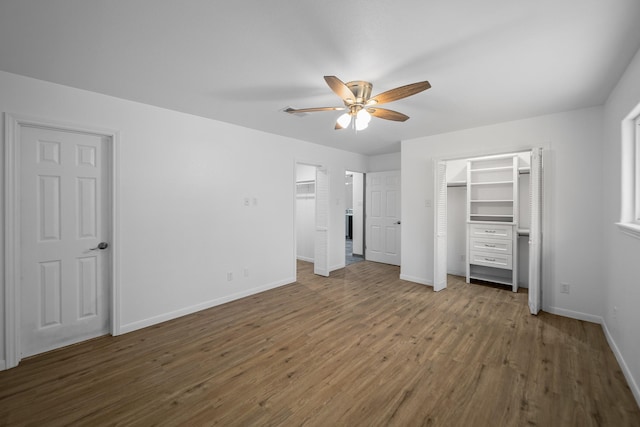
{"type": "Point", "coordinates": [360, 105]}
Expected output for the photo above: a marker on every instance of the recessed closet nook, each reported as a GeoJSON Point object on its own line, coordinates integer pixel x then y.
{"type": "Point", "coordinates": [492, 208]}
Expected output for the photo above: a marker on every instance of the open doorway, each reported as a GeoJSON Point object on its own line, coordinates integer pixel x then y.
{"type": "Point", "coordinates": [311, 213]}
{"type": "Point", "coordinates": [354, 217]}
{"type": "Point", "coordinates": [305, 211]}
{"type": "Point", "coordinates": [500, 229]}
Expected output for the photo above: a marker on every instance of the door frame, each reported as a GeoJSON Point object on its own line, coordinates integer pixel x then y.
{"type": "Point", "coordinates": [321, 233]}
{"type": "Point", "coordinates": [442, 257]}
{"type": "Point", "coordinates": [367, 216]}
{"type": "Point", "coordinates": [364, 202]}
{"type": "Point", "coordinates": [12, 258]}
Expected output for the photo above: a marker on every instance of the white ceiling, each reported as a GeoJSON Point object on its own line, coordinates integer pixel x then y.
{"type": "Point", "coordinates": [244, 61]}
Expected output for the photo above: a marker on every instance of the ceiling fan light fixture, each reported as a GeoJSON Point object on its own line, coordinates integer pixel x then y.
{"type": "Point", "coordinates": [361, 124]}
{"type": "Point", "coordinates": [362, 119]}
{"type": "Point", "coordinates": [363, 116]}
{"type": "Point", "coordinates": [344, 120]}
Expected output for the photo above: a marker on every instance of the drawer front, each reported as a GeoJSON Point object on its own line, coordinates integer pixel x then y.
{"type": "Point", "coordinates": [495, 246]}
{"type": "Point", "coordinates": [491, 260]}
{"type": "Point", "coordinates": [492, 231]}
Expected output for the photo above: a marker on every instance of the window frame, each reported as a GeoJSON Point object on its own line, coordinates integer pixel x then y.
{"type": "Point", "coordinates": [630, 166]}
{"type": "Point", "coordinates": [636, 166]}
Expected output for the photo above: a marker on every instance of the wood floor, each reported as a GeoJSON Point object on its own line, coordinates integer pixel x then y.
{"type": "Point", "coordinates": [359, 348]}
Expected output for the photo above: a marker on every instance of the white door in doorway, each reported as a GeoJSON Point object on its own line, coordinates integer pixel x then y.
{"type": "Point", "coordinates": [64, 286]}
{"type": "Point", "coordinates": [440, 228]}
{"type": "Point", "coordinates": [382, 216]}
{"type": "Point", "coordinates": [321, 240]}
{"type": "Point", "coordinates": [535, 231]}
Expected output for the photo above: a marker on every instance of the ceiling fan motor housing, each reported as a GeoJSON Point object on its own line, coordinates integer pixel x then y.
{"type": "Point", "coordinates": [361, 90]}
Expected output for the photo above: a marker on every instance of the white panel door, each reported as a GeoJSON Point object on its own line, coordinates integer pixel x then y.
{"type": "Point", "coordinates": [535, 231]}
{"type": "Point", "coordinates": [321, 241]}
{"type": "Point", "coordinates": [64, 209]}
{"type": "Point", "coordinates": [440, 227]}
{"type": "Point", "coordinates": [382, 216]}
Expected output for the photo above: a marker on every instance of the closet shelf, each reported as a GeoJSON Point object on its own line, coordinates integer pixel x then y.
{"type": "Point", "coordinates": [523, 231]}
{"type": "Point", "coordinates": [490, 216]}
{"type": "Point", "coordinates": [500, 168]}
{"type": "Point", "coordinates": [457, 184]}
{"type": "Point", "coordinates": [491, 183]}
{"type": "Point", "coordinates": [491, 201]}
{"type": "Point", "coordinates": [491, 278]}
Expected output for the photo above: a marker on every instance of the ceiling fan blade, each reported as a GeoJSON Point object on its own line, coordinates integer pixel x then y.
{"type": "Point", "coordinates": [399, 93]}
{"type": "Point", "coordinates": [340, 89]}
{"type": "Point", "coordinates": [311, 110]}
{"type": "Point", "coordinates": [383, 113]}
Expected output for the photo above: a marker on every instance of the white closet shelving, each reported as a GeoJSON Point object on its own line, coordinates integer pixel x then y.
{"type": "Point", "coordinates": [492, 217]}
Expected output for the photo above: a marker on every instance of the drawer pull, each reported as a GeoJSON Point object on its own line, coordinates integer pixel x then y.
{"type": "Point", "coordinates": [490, 259]}
{"type": "Point", "coordinates": [489, 231]}
{"type": "Point", "coordinates": [486, 245]}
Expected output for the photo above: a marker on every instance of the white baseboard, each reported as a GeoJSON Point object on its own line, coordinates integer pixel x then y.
{"type": "Point", "coordinates": [3, 365]}
{"type": "Point", "coordinates": [458, 273]}
{"type": "Point", "coordinates": [336, 267]}
{"type": "Point", "coordinates": [415, 279]}
{"type": "Point", "coordinates": [573, 314]}
{"type": "Point", "coordinates": [134, 326]}
{"type": "Point", "coordinates": [304, 258]}
{"type": "Point", "coordinates": [633, 385]}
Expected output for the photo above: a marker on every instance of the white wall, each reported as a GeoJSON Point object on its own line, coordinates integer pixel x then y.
{"type": "Point", "coordinates": [456, 230]}
{"type": "Point", "coordinates": [572, 199]}
{"type": "Point", "coordinates": [348, 191]}
{"type": "Point", "coordinates": [457, 170]}
{"type": "Point", "coordinates": [621, 252]}
{"type": "Point", "coordinates": [183, 223]}
{"type": "Point", "coordinates": [305, 173]}
{"type": "Point", "coordinates": [384, 162]}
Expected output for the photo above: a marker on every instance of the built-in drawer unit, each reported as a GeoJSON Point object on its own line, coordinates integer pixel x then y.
{"type": "Point", "coordinates": [499, 246]}
{"type": "Point", "coordinates": [492, 231]}
{"type": "Point", "coordinates": [491, 260]}
{"type": "Point", "coordinates": [492, 218]}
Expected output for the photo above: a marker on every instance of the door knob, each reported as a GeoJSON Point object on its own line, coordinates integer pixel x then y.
{"type": "Point", "coordinates": [397, 222]}
{"type": "Point", "coordinates": [101, 246]}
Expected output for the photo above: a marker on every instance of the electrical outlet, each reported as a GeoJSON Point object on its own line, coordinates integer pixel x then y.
{"type": "Point", "coordinates": [564, 288]}
{"type": "Point", "coordinates": [461, 258]}
{"type": "Point", "coordinates": [229, 276]}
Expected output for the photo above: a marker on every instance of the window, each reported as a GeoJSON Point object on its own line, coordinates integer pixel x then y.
{"type": "Point", "coordinates": [636, 167]}
{"type": "Point", "coordinates": [630, 215]}
{"type": "Point", "coordinates": [636, 131]}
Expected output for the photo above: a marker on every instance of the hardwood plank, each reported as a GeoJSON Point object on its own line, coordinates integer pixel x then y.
{"type": "Point", "coordinates": [361, 347]}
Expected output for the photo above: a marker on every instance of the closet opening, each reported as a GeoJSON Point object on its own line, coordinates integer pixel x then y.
{"type": "Point", "coordinates": [354, 217]}
{"type": "Point", "coordinates": [488, 221]}
{"type": "Point", "coordinates": [311, 210]}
